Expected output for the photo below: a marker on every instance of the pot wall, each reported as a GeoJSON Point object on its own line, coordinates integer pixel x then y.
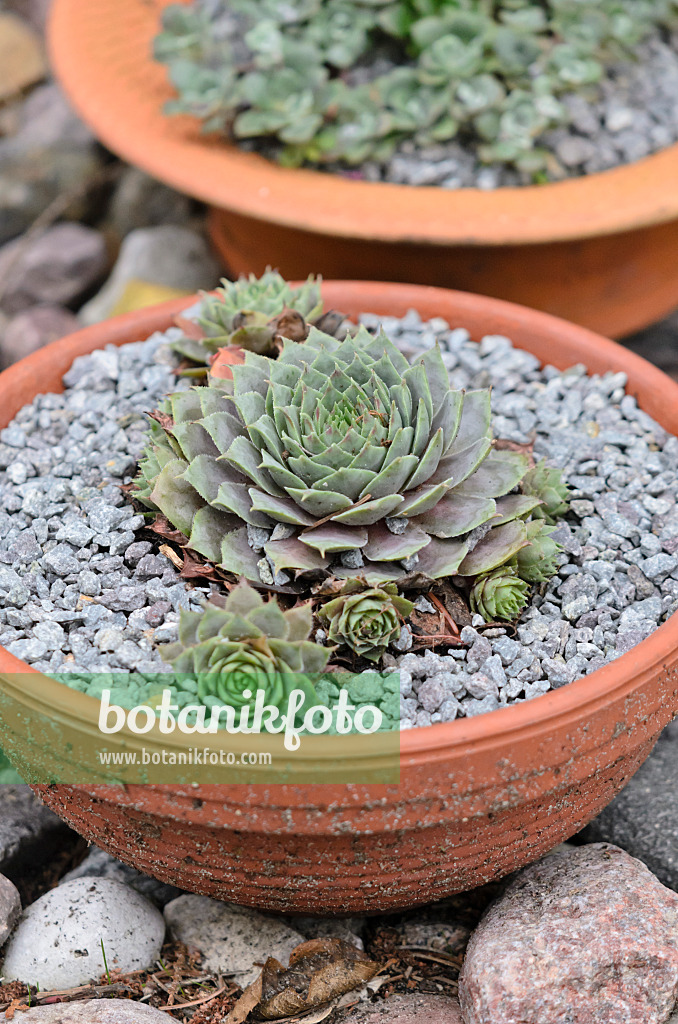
{"type": "Point", "coordinates": [613, 284]}
{"type": "Point", "coordinates": [478, 798]}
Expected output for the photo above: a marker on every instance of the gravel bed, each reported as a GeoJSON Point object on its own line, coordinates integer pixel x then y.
{"type": "Point", "coordinates": [82, 593]}
{"type": "Point", "coordinates": [632, 114]}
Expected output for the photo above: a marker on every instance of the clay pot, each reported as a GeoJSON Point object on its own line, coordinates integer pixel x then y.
{"type": "Point", "coordinates": [478, 798]}
{"type": "Point", "coordinates": [598, 250]}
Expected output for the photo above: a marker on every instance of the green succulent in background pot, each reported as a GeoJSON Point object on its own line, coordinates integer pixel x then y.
{"type": "Point", "coordinates": [489, 73]}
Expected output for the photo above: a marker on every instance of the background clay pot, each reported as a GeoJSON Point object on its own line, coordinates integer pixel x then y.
{"type": "Point", "coordinates": [598, 250]}
{"type": "Point", "coordinates": [478, 798]}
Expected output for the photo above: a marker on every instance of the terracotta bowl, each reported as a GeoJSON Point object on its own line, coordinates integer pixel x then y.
{"type": "Point", "coordinates": [478, 798]}
{"type": "Point", "coordinates": [598, 250]}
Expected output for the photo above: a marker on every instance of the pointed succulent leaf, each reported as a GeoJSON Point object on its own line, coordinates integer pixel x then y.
{"type": "Point", "coordinates": [514, 506]}
{"type": "Point", "coordinates": [175, 497]}
{"type": "Point", "coordinates": [456, 515]}
{"type": "Point", "coordinates": [207, 532]}
{"type": "Point", "coordinates": [495, 549]}
{"type": "Point", "coordinates": [298, 622]}
{"type": "Point", "coordinates": [384, 546]}
{"type": "Point", "coordinates": [292, 554]}
{"type": "Point", "coordinates": [333, 537]}
{"type": "Point", "coordinates": [441, 558]}
{"type": "Point", "coordinates": [238, 557]}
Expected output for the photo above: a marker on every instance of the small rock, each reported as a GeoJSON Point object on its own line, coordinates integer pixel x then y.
{"type": "Point", "coordinates": [588, 934]}
{"type": "Point", "coordinates": [56, 267]}
{"type": "Point", "coordinates": [22, 62]}
{"type": "Point", "coordinates": [173, 256]}
{"type": "Point", "coordinates": [27, 830]}
{"type": "Point", "coordinates": [99, 864]}
{"type": "Point", "coordinates": [574, 150]}
{"type": "Point", "coordinates": [31, 330]}
{"type": "Point", "coordinates": [52, 152]}
{"type": "Point", "coordinates": [349, 929]}
{"type": "Point", "coordinates": [58, 942]}
{"type": "Point", "coordinates": [96, 1011]}
{"type": "Point", "coordinates": [140, 201]}
{"type": "Point", "coordinates": [409, 1008]}
{"type": "Point", "coordinates": [10, 907]}
{"type": "Point", "coordinates": [231, 939]}
{"type": "Point", "coordinates": [61, 560]}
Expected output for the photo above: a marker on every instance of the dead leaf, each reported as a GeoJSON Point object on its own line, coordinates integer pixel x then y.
{"type": "Point", "coordinates": [11, 1009]}
{"type": "Point", "coordinates": [176, 559]}
{"type": "Point", "coordinates": [190, 328]}
{"type": "Point", "coordinates": [330, 322]}
{"type": "Point", "coordinates": [194, 569]}
{"type": "Point", "coordinates": [163, 418]}
{"type": "Point", "coordinates": [319, 971]}
{"type": "Point", "coordinates": [504, 445]}
{"type": "Point", "coordinates": [313, 1016]}
{"type": "Point", "coordinates": [453, 602]}
{"type": "Point", "coordinates": [162, 526]}
{"type": "Point", "coordinates": [290, 324]}
{"type": "Point", "coordinates": [224, 359]}
{"type": "Point", "coordinates": [329, 587]}
{"type": "Point", "coordinates": [247, 1002]}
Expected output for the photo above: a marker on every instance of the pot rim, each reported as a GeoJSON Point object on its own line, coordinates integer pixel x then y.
{"type": "Point", "coordinates": [18, 386]}
{"type": "Point", "coordinates": [101, 54]}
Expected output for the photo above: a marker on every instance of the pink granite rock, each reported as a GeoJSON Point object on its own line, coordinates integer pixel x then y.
{"type": "Point", "coordinates": [586, 935]}
{"type": "Point", "coordinates": [413, 1008]}
{"type": "Point", "coordinates": [31, 330]}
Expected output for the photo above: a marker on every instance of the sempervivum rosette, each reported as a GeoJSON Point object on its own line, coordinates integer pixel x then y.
{"type": "Point", "coordinates": [366, 619]}
{"type": "Point", "coordinates": [341, 456]}
{"type": "Point", "coordinates": [248, 645]}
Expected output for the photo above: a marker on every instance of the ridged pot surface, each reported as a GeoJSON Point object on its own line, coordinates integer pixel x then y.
{"type": "Point", "coordinates": [598, 250]}
{"type": "Point", "coordinates": [478, 798]}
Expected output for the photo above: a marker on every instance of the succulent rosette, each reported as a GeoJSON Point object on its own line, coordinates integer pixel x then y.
{"type": "Point", "coordinates": [538, 561]}
{"type": "Point", "coordinates": [248, 645]}
{"type": "Point", "coordinates": [366, 619]}
{"type": "Point", "coordinates": [546, 483]}
{"type": "Point", "coordinates": [500, 594]}
{"type": "Point", "coordinates": [341, 456]}
{"type": "Point", "coordinates": [253, 311]}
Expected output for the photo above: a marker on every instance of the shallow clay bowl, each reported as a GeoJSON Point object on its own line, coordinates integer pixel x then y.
{"type": "Point", "coordinates": [478, 798]}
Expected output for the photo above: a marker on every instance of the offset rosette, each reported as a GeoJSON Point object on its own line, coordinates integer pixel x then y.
{"type": "Point", "coordinates": [246, 646]}
{"type": "Point", "coordinates": [500, 594]}
{"type": "Point", "coordinates": [253, 311]}
{"type": "Point", "coordinates": [366, 619]}
{"type": "Point", "coordinates": [341, 456]}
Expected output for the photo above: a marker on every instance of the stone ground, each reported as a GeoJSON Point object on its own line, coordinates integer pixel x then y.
{"type": "Point", "coordinates": [81, 237]}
